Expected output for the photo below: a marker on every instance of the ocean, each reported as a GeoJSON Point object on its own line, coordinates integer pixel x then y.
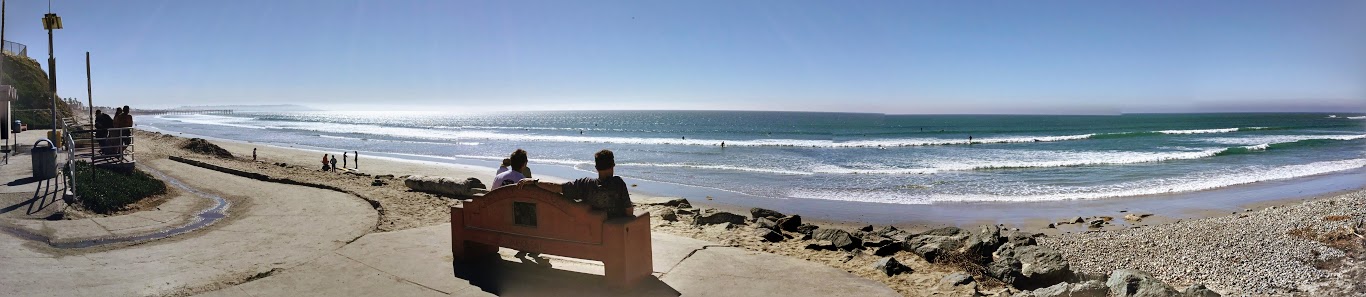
{"type": "Point", "coordinates": [899, 159]}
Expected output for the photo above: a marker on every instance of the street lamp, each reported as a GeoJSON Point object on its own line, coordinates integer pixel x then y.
{"type": "Point", "coordinates": [52, 22]}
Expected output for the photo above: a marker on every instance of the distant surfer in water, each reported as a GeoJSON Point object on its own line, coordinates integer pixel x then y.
{"type": "Point", "coordinates": [969, 139]}
{"type": "Point", "coordinates": [723, 144]}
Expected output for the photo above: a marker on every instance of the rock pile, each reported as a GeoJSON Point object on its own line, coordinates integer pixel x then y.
{"type": "Point", "coordinates": [1120, 283]}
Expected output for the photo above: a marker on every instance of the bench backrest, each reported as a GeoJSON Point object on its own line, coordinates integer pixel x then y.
{"type": "Point", "coordinates": [535, 212]}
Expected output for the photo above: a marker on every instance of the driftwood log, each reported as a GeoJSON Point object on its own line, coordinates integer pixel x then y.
{"type": "Point", "coordinates": [444, 185]}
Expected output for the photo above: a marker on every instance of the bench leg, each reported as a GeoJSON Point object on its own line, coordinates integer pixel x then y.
{"type": "Point", "coordinates": [628, 258]}
{"type": "Point", "coordinates": [461, 249]}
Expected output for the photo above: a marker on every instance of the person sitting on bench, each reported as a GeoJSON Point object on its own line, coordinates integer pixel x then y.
{"type": "Point", "coordinates": [607, 192]}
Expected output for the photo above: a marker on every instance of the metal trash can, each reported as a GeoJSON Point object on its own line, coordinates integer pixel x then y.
{"type": "Point", "coordinates": [44, 159]}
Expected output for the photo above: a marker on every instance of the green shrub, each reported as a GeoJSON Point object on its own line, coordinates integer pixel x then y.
{"type": "Point", "coordinates": [104, 191]}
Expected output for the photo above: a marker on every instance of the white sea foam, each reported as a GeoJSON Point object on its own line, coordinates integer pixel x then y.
{"type": "Point", "coordinates": [1190, 183]}
{"type": "Point", "coordinates": [1273, 139]}
{"type": "Point", "coordinates": [1200, 131]}
{"type": "Point", "coordinates": [719, 167]}
{"type": "Point", "coordinates": [1007, 159]}
{"type": "Point", "coordinates": [1357, 118]}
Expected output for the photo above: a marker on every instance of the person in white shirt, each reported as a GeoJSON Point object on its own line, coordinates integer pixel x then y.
{"type": "Point", "coordinates": [511, 176]}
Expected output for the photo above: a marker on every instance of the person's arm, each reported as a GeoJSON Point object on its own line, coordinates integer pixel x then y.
{"type": "Point", "coordinates": [548, 186]}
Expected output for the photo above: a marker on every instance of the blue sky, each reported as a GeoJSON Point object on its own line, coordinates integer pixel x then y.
{"type": "Point", "coordinates": [869, 56]}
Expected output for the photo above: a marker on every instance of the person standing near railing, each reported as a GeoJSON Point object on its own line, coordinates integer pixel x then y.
{"type": "Point", "coordinates": [102, 124]}
{"type": "Point", "coordinates": [123, 120]}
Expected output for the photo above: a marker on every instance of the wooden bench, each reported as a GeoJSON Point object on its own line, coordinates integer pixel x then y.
{"type": "Point", "coordinates": [531, 219]}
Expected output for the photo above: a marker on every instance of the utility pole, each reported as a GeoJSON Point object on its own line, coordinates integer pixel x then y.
{"type": "Point", "coordinates": [52, 22]}
{"type": "Point", "coordinates": [89, 95]}
{"type": "Point", "coordinates": [8, 122]}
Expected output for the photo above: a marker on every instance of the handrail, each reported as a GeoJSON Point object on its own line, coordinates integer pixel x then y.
{"type": "Point", "coordinates": [70, 156]}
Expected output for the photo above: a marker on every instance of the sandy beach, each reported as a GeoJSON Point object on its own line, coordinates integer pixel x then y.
{"type": "Point", "coordinates": [1182, 236]}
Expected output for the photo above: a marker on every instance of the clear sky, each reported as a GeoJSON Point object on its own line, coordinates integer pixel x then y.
{"type": "Point", "coordinates": [870, 56]}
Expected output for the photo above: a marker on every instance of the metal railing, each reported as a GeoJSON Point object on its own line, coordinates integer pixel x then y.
{"type": "Point", "coordinates": [70, 145]}
{"type": "Point", "coordinates": [112, 148]}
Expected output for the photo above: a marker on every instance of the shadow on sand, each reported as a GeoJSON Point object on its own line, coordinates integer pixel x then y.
{"type": "Point", "coordinates": [530, 278]}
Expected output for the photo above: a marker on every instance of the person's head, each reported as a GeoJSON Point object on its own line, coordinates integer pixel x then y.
{"type": "Point", "coordinates": [604, 162]}
{"type": "Point", "coordinates": [98, 112]}
{"type": "Point", "coordinates": [517, 160]}
{"type": "Point", "coordinates": [126, 109]}
{"type": "Point", "coordinates": [506, 162]}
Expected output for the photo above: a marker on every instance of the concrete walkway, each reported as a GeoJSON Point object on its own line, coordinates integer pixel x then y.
{"type": "Point", "coordinates": [417, 262]}
{"type": "Point", "coordinates": [269, 227]}
{"type": "Point", "coordinates": [22, 196]}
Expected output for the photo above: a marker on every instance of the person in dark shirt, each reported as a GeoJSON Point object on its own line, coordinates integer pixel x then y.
{"type": "Point", "coordinates": [607, 192]}
{"type": "Point", "coordinates": [102, 124]}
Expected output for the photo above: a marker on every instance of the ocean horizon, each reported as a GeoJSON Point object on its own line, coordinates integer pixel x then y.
{"type": "Point", "coordinates": [860, 157]}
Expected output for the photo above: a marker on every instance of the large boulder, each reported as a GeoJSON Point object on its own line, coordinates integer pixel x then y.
{"type": "Point", "coordinates": [1085, 289]}
{"type": "Point", "coordinates": [931, 247]}
{"type": "Point", "coordinates": [985, 241]}
{"type": "Point", "coordinates": [1132, 282]}
{"type": "Point", "coordinates": [1199, 290]}
{"type": "Point", "coordinates": [717, 217]}
{"type": "Point", "coordinates": [765, 223]}
{"type": "Point", "coordinates": [1018, 239]}
{"type": "Point", "coordinates": [887, 250]}
{"type": "Point", "coordinates": [874, 240]}
{"type": "Point", "coordinates": [768, 235]}
{"type": "Point", "coordinates": [945, 231]}
{"type": "Point", "coordinates": [790, 224]}
{"type": "Point", "coordinates": [765, 213]}
{"type": "Point", "coordinates": [838, 238]}
{"type": "Point", "coordinates": [956, 279]}
{"type": "Point", "coordinates": [890, 266]}
{"type": "Point", "coordinates": [890, 232]}
{"type": "Point", "coordinates": [958, 284]}
{"type": "Point", "coordinates": [668, 215]}
{"type": "Point", "coordinates": [444, 186]}
{"type": "Point", "coordinates": [678, 203]}
{"type": "Point", "coordinates": [1039, 266]}
{"type": "Point", "coordinates": [1006, 269]}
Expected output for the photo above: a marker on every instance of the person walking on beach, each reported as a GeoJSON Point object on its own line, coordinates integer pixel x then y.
{"type": "Point", "coordinates": [514, 174]}
{"type": "Point", "coordinates": [253, 154]}
{"type": "Point", "coordinates": [325, 167]}
{"type": "Point", "coordinates": [334, 162]}
{"type": "Point", "coordinates": [355, 158]}
{"type": "Point", "coordinates": [607, 192]}
{"type": "Point", "coordinates": [344, 155]}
